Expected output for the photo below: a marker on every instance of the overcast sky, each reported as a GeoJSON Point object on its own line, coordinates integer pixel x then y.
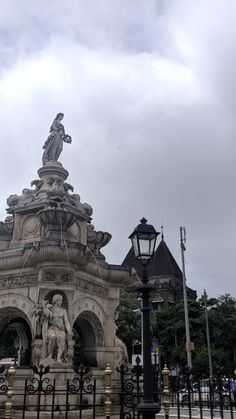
{"type": "Point", "coordinates": [148, 89]}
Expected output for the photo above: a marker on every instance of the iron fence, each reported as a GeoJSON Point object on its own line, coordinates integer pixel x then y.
{"type": "Point", "coordinates": [131, 384]}
{"type": "Point", "coordinates": [186, 396]}
{"type": "Point", "coordinates": [50, 395]}
{"type": "Point", "coordinates": [203, 397]}
{"type": "Point", "coordinates": [130, 389]}
{"type": "Point", "coordinates": [45, 397]}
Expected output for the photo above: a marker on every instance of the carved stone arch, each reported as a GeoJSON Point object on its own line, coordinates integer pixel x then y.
{"type": "Point", "coordinates": [12, 301]}
{"type": "Point", "coordinates": [96, 325]}
{"type": "Point", "coordinates": [88, 334]}
{"type": "Point", "coordinates": [15, 335]}
{"type": "Point", "coordinates": [88, 304]}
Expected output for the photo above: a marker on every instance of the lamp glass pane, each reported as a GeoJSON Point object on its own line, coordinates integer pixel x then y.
{"type": "Point", "coordinates": [152, 244]}
{"type": "Point", "coordinates": [135, 245]}
{"type": "Point", "coordinates": [144, 247]}
{"type": "Point", "coordinates": [147, 247]}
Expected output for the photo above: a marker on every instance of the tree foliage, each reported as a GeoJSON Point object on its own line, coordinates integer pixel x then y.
{"type": "Point", "coordinates": [128, 322]}
{"type": "Point", "coordinates": [169, 328]}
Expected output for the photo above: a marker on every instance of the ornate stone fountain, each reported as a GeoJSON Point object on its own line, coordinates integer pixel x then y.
{"type": "Point", "coordinates": [52, 272]}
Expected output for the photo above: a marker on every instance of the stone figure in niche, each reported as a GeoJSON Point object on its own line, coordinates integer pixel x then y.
{"type": "Point", "coordinates": [55, 329]}
{"type": "Point", "coordinates": [53, 146]}
{"type": "Point", "coordinates": [46, 315]}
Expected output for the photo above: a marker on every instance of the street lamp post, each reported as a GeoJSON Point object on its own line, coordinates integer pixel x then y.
{"type": "Point", "coordinates": [143, 241]}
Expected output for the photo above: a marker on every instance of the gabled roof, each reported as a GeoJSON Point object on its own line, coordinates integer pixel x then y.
{"type": "Point", "coordinates": [163, 262]}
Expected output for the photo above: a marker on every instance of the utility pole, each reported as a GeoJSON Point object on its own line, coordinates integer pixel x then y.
{"type": "Point", "coordinates": [208, 336]}
{"type": "Point", "coordinates": [187, 332]}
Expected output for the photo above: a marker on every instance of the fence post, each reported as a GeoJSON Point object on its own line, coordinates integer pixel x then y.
{"type": "Point", "coordinates": [166, 392]}
{"type": "Point", "coordinates": [107, 381]}
{"type": "Point", "coordinates": [10, 380]}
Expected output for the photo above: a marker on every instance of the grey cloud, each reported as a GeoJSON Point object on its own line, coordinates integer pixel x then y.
{"type": "Point", "coordinates": [27, 27]}
{"type": "Point", "coordinates": [149, 105]}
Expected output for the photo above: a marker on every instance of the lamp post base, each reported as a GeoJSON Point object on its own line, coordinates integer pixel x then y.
{"type": "Point", "coordinates": [148, 409]}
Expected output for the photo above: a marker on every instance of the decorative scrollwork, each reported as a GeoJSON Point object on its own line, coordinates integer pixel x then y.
{"type": "Point", "coordinates": [40, 384]}
{"type": "Point", "coordinates": [131, 383]}
{"type": "Point", "coordinates": [82, 382]}
{"type": "Point", "coordinates": [3, 389]}
{"type": "Point", "coordinates": [3, 385]}
{"type": "Point", "coordinates": [122, 368]}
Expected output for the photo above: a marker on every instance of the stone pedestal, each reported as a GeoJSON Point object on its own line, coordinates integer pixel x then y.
{"type": "Point", "coordinates": [52, 168]}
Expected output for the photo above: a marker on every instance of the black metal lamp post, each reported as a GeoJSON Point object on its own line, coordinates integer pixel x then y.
{"type": "Point", "coordinates": [143, 241]}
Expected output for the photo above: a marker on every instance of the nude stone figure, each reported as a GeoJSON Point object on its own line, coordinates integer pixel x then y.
{"type": "Point", "coordinates": [58, 330]}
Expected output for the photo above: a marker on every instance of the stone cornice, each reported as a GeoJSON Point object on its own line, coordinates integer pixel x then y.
{"type": "Point", "coordinates": [75, 254]}
{"type": "Point", "coordinates": [32, 254]}
{"type": "Point", "coordinates": [113, 274]}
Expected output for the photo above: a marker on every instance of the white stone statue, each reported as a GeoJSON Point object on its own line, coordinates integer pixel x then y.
{"type": "Point", "coordinates": [53, 146]}
{"type": "Point", "coordinates": [56, 329]}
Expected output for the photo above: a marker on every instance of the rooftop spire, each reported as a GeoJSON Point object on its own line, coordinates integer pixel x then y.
{"type": "Point", "coordinates": [162, 233]}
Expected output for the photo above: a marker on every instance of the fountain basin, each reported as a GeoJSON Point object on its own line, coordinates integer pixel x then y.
{"type": "Point", "coordinates": [58, 218]}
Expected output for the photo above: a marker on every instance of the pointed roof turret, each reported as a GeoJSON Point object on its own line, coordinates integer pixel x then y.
{"type": "Point", "coordinates": [164, 262]}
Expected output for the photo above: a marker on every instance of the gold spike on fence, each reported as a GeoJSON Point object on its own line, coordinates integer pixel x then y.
{"type": "Point", "coordinates": [166, 392]}
{"type": "Point", "coordinates": [10, 381]}
{"type": "Point", "coordinates": [107, 381]}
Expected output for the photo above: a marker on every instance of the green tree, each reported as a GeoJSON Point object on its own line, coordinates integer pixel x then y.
{"type": "Point", "coordinates": [169, 327]}
{"type": "Point", "coordinates": [222, 322]}
{"type": "Point", "coordinates": [128, 322]}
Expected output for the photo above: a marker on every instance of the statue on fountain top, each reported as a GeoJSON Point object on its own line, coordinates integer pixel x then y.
{"type": "Point", "coordinates": [53, 146]}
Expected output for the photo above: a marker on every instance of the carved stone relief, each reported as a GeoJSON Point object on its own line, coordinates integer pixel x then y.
{"type": "Point", "coordinates": [12, 281]}
{"type": "Point", "coordinates": [57, 275]}
{"type": "Point", "coordinates": [30, 226]}
{"type": "Point", "coordinates": [90, 286]}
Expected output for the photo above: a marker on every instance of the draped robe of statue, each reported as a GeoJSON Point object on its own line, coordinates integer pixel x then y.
{"type": "Point", "coordinates": [53, 146]}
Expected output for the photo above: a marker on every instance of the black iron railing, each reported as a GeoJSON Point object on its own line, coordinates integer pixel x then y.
{"type": "Point", "coordinates": [52, 394]}
{"type": "Point", "coordinates": [203, 397]}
